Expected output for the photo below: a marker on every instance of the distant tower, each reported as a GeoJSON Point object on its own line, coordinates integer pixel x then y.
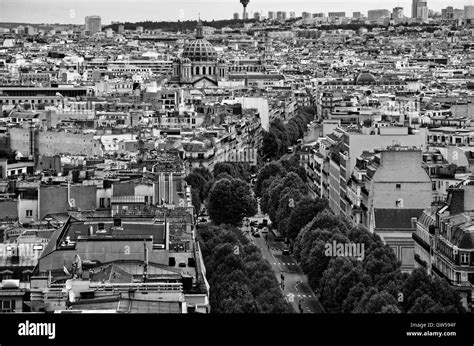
{"type": "Point", "coordinates": [244, 3]}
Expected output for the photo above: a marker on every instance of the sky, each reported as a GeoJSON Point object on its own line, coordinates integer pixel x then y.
{"type": "Point", "coordinates": [74, 11]}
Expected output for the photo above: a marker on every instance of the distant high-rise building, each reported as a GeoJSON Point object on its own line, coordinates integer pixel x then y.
{"type": "Point", "coordinates": [419, 10]}
{"type": "Point", "coordinates": [292, 14]}
{"type": "Point", "coordinates": [93, 24]}
{"type": "Point", "coordinates": [31, 30]}
{"type": "Point", "coordinates": [281, 15]}
{"type": "Point", "coordinates": [377, 15]}
{"type": "Point", "coordinates": [447, 13]}
{"type": "Point", "coordinates": [336, 14]}
{"type": "Point", "coordinates": [458, 14]}
{"type": "Point", "coordinates": [397, 14]}
{"type": "Point", "coordinates": [318, 15]}
{"type": "Point", "coordinates": [356, 15]}
{"type": "Point", "coordinates": [306, 15]}
{"type": "Point", "coordinates": [271, 15]}
{"type": "Point", "coordinates": [121, 29]}
{"type": "Point", "coordinates": [469, 13]}
{"type": "Point", "coordinates": [257, 16]}
{"type": "Point", "coordinates": [236, 16]}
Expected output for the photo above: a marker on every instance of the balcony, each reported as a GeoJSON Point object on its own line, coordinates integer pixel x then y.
{"type": "Point", "coordinates": [420, 261]}
{"type": "Point", "coordinates": [455, 284]}
{"type": "Point", "coordinates": [421, 242]}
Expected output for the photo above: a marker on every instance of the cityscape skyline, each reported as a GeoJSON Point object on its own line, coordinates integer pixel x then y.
{"type": "Point", "coordinates": [73, 12]}
{"type": "Point", "coordinates": [319, 161]}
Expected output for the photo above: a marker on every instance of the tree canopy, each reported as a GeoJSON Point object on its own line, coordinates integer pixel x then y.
{"type": "Point", "coordinates": [230, 201]}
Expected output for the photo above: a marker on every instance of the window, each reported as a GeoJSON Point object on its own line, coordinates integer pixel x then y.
{"type": "Point", "coordinates": [29, 213]}
{"type": "Point", "coordinates": [398, 186]}
{"type": "Point", "coordinates": [7, 306]}
{"type": "Point", "coordinates": [433, 186]}
{"type": "Point", "coordinates": [102, 202]}
{"type": "Point", "coordinates": [464, 258]}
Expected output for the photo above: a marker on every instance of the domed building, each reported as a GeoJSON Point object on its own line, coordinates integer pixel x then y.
{"type": "Point", "coordinates": [365, 78]}
{"type": "Point", "coordinates": [199, 66]}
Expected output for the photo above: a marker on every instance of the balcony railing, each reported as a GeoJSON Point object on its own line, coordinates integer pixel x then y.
{"type": "Point", "coordinates": [421, 242]}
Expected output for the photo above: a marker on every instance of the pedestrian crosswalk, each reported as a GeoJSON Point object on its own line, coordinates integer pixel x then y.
{"type": "Point", "coordinates": [285, 264]}
{"type": "Point", "coordinates": [302, 296]}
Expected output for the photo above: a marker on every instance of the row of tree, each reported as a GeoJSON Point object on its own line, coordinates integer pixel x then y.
{"type": "Point", "coordinates": [284, 196]}
{"type": "Point", "coordinates": [226, 192]}
{"type": "Point", "coordinates": [280, 135]}
{"type": "Point", "coordinates": [241, 280]}
{"type": "Point", "coordinates": [372, 283]}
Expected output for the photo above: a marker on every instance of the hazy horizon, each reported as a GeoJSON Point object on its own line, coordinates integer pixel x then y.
{"type": "Point", "coordinates": [74, 11]}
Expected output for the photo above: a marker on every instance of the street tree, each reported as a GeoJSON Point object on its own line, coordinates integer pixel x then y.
{"type": "Point", "coordinates": [230, 201]}
{"type": "Point", "coordinates": [304, 211]}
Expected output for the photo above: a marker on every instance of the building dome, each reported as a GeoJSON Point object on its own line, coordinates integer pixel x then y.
{"type": "Point", "coordinates": [200, 50]}
{"type": "Point", "coordinates": [365, 78]}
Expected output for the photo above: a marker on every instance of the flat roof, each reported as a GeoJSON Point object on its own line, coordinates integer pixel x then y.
{"type": "Point", "coordinates": [132, 228]}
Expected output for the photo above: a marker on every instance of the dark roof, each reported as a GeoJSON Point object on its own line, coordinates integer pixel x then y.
{"type": "Point", "coordinates": [257, 76]}
{"type": "Point", "coordinates": [365, 78]}
{"type": "Point", "coordinates": [396, 219]}
{"type": "Point", "coordinates": [463, 239]}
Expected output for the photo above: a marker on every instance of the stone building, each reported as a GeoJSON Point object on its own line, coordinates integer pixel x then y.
{"type": "Point", "coordinates": [199, 65]}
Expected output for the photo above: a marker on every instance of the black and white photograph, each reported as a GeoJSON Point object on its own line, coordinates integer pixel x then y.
{"type": "Point", "coordinates": [281, 172]}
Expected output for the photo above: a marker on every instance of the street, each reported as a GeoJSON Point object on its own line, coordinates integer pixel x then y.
{"type": "Point", "coordinates": [296, 289]}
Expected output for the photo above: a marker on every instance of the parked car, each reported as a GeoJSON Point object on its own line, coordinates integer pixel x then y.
{"type": "Point", "coordinates": [265, 230]}
{"type": "Point", "coordinates": [286, 252]}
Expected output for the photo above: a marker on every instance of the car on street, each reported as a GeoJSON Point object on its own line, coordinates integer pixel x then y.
{"type": "Point", "coordinates": [262, 224]}
{"type": "Point", "coordinates": [285, 252]}
{"type": "Point", "coordinates": [265, 230]}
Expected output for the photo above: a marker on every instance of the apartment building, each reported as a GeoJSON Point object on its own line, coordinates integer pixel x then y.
{"type": "Point", "coordinates": [444, 240]}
